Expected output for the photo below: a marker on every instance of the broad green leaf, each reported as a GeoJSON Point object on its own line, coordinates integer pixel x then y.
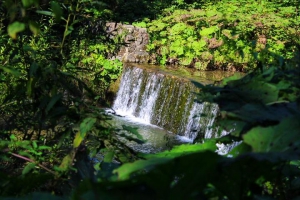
{"type": "Point", "coordinates": [178, 28]}
{"type": "Point", "coordinates": [109, 155]}
{"type": "Point", "coordinates": [283, 137]}
{"type": "Point", "coordinates": [262, 91]}
{"type": "Point", "coordinates": [28, 168]}
{"type": "Point", "coordinates": [34, 144]}
{"type": "Point", "coordinates": [13, 137]}
{"type": "Point", "coordinates": [185, 149]}
{"type": "Point", "coordinates": [208, 31]}
{"type": "Point", "coordinates": [284, 84]}
{"type": "Point", "coordinates": [14, 28]}
{"type": "Point", "coordinates": [87, 125]}
{"type": "Point", "coordinates": [56, 10]}
{"type": "Point", "coordinates": [179, 51]}
{"type": "Point", "coordinates": [234, 77]}
{"type": "Point", "coordinates": [97, 166]}
{"type": "Point", "coordinates": [210, 13]}
{"type": "Point", "coordinates": [240, 149]}
{"type": "Point", "coordinates": [26, 153]}
{"type": "Point", "coordinates": [27, 3]}
{"type": "Point", "coordinates": [11, 71]}
{"type": "Point", "coordinates": [198, 45]}
{"type": "Point", "coordinates": [127, 169]}
{"type": "Point", "coordinates": [77, 140]}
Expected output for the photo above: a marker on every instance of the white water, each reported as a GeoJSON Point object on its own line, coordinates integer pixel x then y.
{"type": "Point", "coordinates": [128, 94]}
{"type": "Point", "coordinates": [193, 125]}
{"type": "Point", "coordinates": [155, 98]}
{"type": "Point", "coordinates": [209, 130]}
{"type": "Point", "coordinates": [148, 99]}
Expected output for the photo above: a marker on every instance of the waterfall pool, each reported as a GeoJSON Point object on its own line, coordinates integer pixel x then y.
{"type": "Point", "coordinates": [156, 138]}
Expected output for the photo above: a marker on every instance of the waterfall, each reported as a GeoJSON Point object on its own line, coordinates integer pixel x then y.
{"type": "Point", "coordinates": [165, 101]}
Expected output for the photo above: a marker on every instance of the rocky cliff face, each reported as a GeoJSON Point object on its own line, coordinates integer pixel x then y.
{"type": "Point", "coordinates": [134, 41]}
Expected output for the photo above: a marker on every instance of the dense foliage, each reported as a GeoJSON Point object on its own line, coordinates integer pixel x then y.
{"type": "Point", "coordinates": [230, 35]}
{"type": "Point", "coordinates": [54, 75]}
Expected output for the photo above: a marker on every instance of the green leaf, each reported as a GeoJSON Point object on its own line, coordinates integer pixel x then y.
{"type": "Point", "coordinates": [265, 92]}
{"type": "Point", "coordinates": [44, 12]}
{"type": "Point", "coordinates": [34, 144]}
{"type": "Point", "coordinates": [56, 10]}
{"type": "Point", "coordinates": [87, 125]}
{"type": "Point", "coordinates": [67, 32]}
{"type": "Point", "coordinates": [234, 77]}
{"type": "Point", "coordinates": [28, 168]}
{"type": "Point", "coordinates": [240, 149]}
{"type": "Point", "coordinates": [77, 140]}
{"type": "Point", "coordinates": [127, 169]}
{"type": "Point", "coordinates": [33, 69]}
{"type": "Point", "coordinates": [153, 161]}
{"type": "Point", "coordinates": [198, 45]}
{"type": "Point", "coordinates": [208, 31]}
{"type": "Point", "coordinates": [34, 27]}
{"type": "Point", "coordinates": [185, 149]}
{"type": "Point", "coordinates": [44, 148]}
{"type": "Point", "coordinates": [66, 163]}
{"type": "Point", "coordinates": [13, 137]}
{"type": "Point", "coordinates": [11, 71]}
{"type": "Point", "coordinates": [283, 137]}
{"type": "Point", "coordinates": [109, 155]}
{"type": "Point", "coordinates": [27, 3]}
{"type": "Point", "coordinates": [15, 28]}
{"type": "Point", "coordinates": [29, 86]}
{"type": "Point", "coordinates": [53, 100]}
{"type": "Point", "coordinates": [178, 28]}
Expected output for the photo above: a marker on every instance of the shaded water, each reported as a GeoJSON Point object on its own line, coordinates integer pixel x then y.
{"type": "Point", "coordinates": [156, 139]}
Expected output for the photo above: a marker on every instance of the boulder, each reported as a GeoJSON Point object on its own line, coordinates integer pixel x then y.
{"type": "Point", "coordinates": [134, 42]}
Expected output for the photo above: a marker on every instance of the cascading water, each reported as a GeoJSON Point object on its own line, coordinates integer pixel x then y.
{"type": "Point", "coordinates": [165, 101]}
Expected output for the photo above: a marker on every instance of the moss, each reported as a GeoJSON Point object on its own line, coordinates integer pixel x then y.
{"type": "Point", "coordinates": [174, 101]}
{"type": "Point", "coordinates": [114, 86]}
{"type": "Point", "coordinates": [145, 79]}
{"type": "Point", "coordinates": [112, 91]}
{"type": "Point", "coordinates": [173, 104]}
